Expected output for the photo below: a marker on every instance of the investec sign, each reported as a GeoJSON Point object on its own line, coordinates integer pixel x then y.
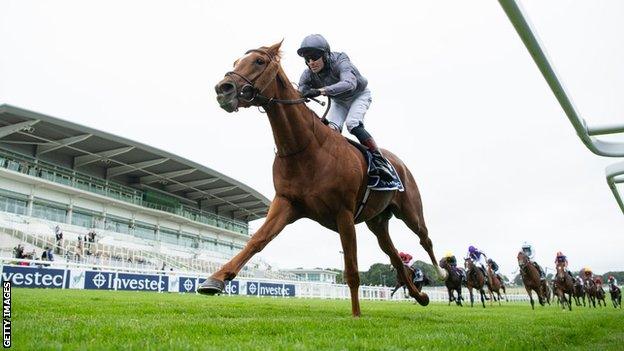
{"type": "Point", "coordinates": [34, 277]}
{"type": "Point", "coordinates": [125, 281]}
{"type": "Point", "coordinates": [187, 285]}
{"type": "Point", "coordinates": [270, 289]}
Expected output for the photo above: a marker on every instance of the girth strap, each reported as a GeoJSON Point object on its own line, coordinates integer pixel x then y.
{"type": "Point", "coordinates": [363, 203]}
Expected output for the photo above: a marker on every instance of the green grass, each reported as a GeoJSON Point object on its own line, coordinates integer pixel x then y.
{"type": "Point", "coordinates": [79, 319]}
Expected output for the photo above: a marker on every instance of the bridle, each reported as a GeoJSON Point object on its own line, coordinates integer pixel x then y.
{"type": "Point", "coordinates": [250, 93]}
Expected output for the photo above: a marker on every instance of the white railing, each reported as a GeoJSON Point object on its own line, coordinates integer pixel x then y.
{"type": "Point", "coordinates": [303, 289]}
{"type": "Point", "coordinates": [585, 132]}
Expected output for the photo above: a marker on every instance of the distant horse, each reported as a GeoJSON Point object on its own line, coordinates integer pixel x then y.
{"type": "Point", "coordinates": [495, 285]}
{"type": "Point", "coordinates": [317, 174]}
{"type": "Point", "coordinates": [475, 279]}
{"type": "Point", "coordinates": [531, 280]}
{"type": "Point", "coordinates": [564, 285]}
{"type": "Point", "coordinates": [412, 274]}
{"type": "Point", "coordinates": [600, 293]}
{"type": "Point", "coordinates": [579, 291]}
{"type": "Point", "coordinates": [453, 282]}
{"type": "Point", "coordinates": [616, 295]}
{"type": "Point", "coordinates": [591, 291]}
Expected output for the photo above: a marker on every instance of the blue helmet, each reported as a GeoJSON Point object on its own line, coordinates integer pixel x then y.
{"type": "Point", "coordinates": [313, 42]}
{"type": "Point", "coordinates": [472, 249]}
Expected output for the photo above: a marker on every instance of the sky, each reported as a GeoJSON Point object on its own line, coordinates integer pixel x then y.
{"type": "Point", "coordinates": [455, 95]}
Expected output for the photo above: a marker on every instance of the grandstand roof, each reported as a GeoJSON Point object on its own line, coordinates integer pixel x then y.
{"type": "Point", "coordinates": [128, 162]}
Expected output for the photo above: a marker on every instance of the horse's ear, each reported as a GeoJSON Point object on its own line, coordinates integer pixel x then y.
{"type": "Point", "coordinates": [274, 50]}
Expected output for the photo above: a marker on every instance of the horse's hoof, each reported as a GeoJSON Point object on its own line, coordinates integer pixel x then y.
{"type": "Point", "coordinates": [423, 299]}
{"type": "Point", "coordinates": [211, 286]}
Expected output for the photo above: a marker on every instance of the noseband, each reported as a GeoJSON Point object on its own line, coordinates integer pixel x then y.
{"type": "Point", "coordinates": [250, 93]}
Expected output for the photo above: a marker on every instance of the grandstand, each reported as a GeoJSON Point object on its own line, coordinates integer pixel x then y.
{"type": "Point", "coordinates": [149, 209]}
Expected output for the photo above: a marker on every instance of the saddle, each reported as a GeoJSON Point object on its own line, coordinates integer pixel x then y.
{"type": "Point", "coordinates": [460, 272]}
{"type": "Point", "coordinates": [418, 275]}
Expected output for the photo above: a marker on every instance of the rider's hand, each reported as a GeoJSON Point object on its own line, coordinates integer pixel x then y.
{"type": "Point", "coordinates": [308, 94]}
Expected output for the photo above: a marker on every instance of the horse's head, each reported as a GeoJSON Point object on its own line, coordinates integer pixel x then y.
{"type": "Point", "coordinates": [468, 264]}
{"type": "Point", "coordinates": [522, 259]}
{"type": "Point", "coordinates": [251, 83]}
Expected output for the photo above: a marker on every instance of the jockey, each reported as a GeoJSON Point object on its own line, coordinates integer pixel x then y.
{"type": "Point", "coordinates": [587, 273]}
{"type": "Point", "coordinates": [528, 251]}
{"type": "Point", "coordinates": [405, 258]}
{"type": "Point", "coordinates": [332, 74]}
{"type": "Point", "coordinates": [477, 256]}
{"type": "Point", "coordinates": [492, 264]}
{"type": "Point", "coordinates": [612, 280]}
{"type": "Point", "coordinates": [562, 259]}
{"type": "Point", "coordinates": [450, 259]}
{"type": "Point", "coordinates": [418, 273]}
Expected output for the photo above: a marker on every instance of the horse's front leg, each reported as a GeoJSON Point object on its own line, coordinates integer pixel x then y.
{"type": "Point", "coordinates": [471, 297]}
{"type": "Point", "coordinates": [346, 229]}
{"type": "Point", "coordinates": [280, 214]}
{"type": "Point", "coordinates": [530, 292]}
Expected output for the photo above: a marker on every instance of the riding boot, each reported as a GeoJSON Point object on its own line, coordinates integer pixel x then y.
{"type": "Point", "coordinates": [381, 166]}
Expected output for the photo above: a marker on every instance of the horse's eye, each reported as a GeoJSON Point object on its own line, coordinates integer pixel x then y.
{"type": "Point", "coordinates": [259, 61]}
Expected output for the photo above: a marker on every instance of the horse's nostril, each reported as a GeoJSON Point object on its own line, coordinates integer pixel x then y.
{"type": "Point", "coordinates": [226, 88]}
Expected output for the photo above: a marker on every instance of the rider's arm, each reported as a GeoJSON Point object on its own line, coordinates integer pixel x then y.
{"type": "Point", "coordinates": [305, 81]}
{"type": "Point", "coordinates": [348, 80]}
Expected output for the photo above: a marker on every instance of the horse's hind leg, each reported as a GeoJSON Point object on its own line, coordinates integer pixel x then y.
{"type": "Point", "coordinates": [379, 227]}
{"type": "Point", "coordinates": [410, 211]}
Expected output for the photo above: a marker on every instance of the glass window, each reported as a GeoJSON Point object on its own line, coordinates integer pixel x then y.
{"type": "Point", "coordinates": [168, 236]}
{"type": "Point", "coordinates": [11, 205]}
{"type": "Point", "coordinates": [145, 231]}
{"type": "Point", "coordinates": [49, 212]}
{"type": "Point", "coordinates": [82, 219]}
{"type": "Point", "coordinates": [116, 224]}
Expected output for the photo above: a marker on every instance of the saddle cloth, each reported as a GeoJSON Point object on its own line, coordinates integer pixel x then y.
{"type": "Point", "coordinates": [375, 182]}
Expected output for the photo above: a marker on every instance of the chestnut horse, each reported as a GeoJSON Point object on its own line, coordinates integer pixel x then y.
{"type": "Point", "coordinates": [495, 285]}
{"type": "Point", "coordinates": [474, 280]}
{"type": "Point", "coordinates": [453, 282]}
{"type": "Point", "coordinates": [317, 174]}
{"type": "Point", "coordinates": [531, 280]}
{"type": "Point", "coordinates": [564, 285]}
{"type": "Point", "coordinates": [590, 290]}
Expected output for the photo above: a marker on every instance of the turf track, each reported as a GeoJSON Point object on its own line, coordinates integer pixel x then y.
{"type": "Point", "coordinates": [79, 319]}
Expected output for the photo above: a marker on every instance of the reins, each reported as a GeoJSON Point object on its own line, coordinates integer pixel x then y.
{"type": "Point", "coordinates": [250, 93]}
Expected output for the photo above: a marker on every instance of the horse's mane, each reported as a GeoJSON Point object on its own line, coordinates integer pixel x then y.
{"type": "Point", "coordinates": [284, 82]}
